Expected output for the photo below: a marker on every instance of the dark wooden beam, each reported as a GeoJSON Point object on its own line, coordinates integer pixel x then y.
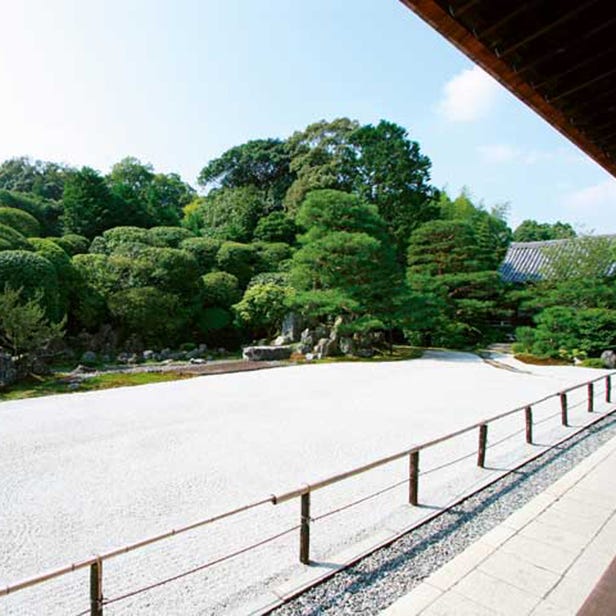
{"type": "Point", "coordinates": [437, 17]}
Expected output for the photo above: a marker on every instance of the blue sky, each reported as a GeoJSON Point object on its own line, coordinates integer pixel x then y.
{"type": "Point", "coordinates": [176, 82]}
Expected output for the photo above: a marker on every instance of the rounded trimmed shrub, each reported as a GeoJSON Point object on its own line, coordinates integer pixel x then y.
{"type": "Point", "coordinates": [153, 315]}
{"type": "Point", "coordinates": [204, 249]}
{"type": "Point", "coordinates": [220, 289]}
{"type": "Point", "coordinates": [10, 239]}
{"type": "Point", "coordinates": [72, 243]}
{"type": "Point", "coordinates": [66, 273]}
{"type": "Point", "coordinates": [276, 227]}
{"type": "Point", "coordinates": [33, 274]}
{"type": "Point", "coordinates": [21, 221]}
{"type": "Point", "coordinates": [168, 237]}
{"type": "Point", "coordinates": [272, 255]}
{"type": "Point", "coordinates": [238, 259]}
{"type": "Point", "coordinates": [167, 269]}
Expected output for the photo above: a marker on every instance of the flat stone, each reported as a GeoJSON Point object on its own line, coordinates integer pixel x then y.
{"type": "Point", "coordinates": [267, 353]}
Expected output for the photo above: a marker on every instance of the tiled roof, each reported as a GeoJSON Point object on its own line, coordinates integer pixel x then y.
{"type": "Point", "coordinates": [524, 261]}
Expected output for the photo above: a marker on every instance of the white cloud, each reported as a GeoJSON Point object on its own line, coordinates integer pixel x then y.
{"type": "Point", "coordinates": [468, 96]}
{"type": "Point", "coordinates": [594, 206]}
{"type": "Point", "coordinates": [497, 153]}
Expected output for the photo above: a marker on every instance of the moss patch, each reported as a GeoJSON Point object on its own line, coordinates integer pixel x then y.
{"type": "Point", "coordinates": [49, 386]}
{"type": "Point", "coordinates": [535, 360]}
{"type": "Point", "coordinates": [399, 353]}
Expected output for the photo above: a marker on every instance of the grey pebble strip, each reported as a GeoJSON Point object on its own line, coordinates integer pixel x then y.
{"type": "Point", "coordinates": [378, 580]}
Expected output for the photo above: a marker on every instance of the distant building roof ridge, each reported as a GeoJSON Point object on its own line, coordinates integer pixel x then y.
{"type": "Point", "coordinates": [524, 261]}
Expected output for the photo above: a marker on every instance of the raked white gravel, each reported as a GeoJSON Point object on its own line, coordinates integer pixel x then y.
{"type": "Point", "coordinates": [83, 473]}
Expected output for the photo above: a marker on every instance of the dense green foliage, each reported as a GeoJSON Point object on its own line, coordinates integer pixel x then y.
{"type": "Point", "coordinates": [573, 307]}
{"type": "Point", "coordinates": [533, 231]}
{"type": "Point", "coordinates": [35, 276]}
{"type": "Point", "coordinates": [339, 223]}
{"type": "Point", "coordinates": [25, 329]}
{"type": "Point", "coordinates": [19, 220]}
{"type": "Point", "coordinates": [11, 239]}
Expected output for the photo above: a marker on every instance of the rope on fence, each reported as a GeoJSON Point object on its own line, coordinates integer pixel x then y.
{"type": "Point", "coordinates": [505, 438]}
{"type": "Point", "coordinates": [541, 421]}
{"type": "Point", "coordinates": [359, 501]}
{"type": "Point", "coordinates": [207, 565]}
{"type": "Point", "coordinates": [446, 464]}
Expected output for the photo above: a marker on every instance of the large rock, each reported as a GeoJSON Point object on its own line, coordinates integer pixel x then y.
{"type": "Point", "coordinates": [307, 337]}
{"type": "Point", "coordinates": [291, 327]}
{"type": "Point", "coordinates": [282, 340]}
{"type": "Point", "coordinates": [321, 331]}
{"type": "Point", "coordinates": [326, 347]}
{"type": "Point", "coordinates": [266, 353]}
{"type": "Point", "coordinates": [347, 345]}
{"type": "Point", "coordinates": [609, 359]}
{"type": "Point", "coordinates": [8, 371]}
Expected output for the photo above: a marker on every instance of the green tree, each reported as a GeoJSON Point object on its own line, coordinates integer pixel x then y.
{"type": "Point", "coordinates": [346, 265]}
{"type": "Point", "coordinates": [533, 231]}
{"type": "Point", "coordinates": [149, 198]}
{"type": "Point", "coordinates": [321, 157]}
{"type": "Point", "coordinates": [490, 226]}
{"type": "Point", "coordinates": [89, 206]}
{"type": "Point", "coordinates": [276, 227]}
{"type": "Point", "coordinates": [263, 164]}
{"type": "Point", "coordinates": [35, 276]}
{"type": "Point", "coordinates": [393, 174]}
{"type": "Point", "coordinates": [262, 308]}
{"type": "Point", "coordinates": [228, 214]}
{"type": "Point", "coordinates": [25, 329]}
{"type": "Point", "coordinates": [43, 179]}
{"type": "Point", "coordinates": [447, 266]}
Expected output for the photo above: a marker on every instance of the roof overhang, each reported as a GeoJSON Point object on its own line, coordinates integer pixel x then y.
{"type": "Point", "coordinates": [557, 56]}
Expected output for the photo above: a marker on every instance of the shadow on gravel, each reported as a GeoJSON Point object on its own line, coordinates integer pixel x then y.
{"type": "Point", "coordinates": [437, 535]}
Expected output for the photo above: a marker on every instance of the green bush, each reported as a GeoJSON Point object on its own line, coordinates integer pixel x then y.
{"type": "Point", "coordinates": [262, 308]}
{"type": "Point", "coordinates": [35, 275]}
{"type": "Point", "coordinates": [168, 237]}
{"type": "Point", "coordinates": [216, 327]}
{"type": "Point", "coordinates": [566, 332]}
{"type": "Point", "coordinates": [167, 269]}
{"type": "Point", "coordinates": [10, 239]}
{"type": "Point", "coordinates": [67, 276]}
{"type": "Point", "coordinates": [276, 227]}
{"type": "Point", "coordinates": [282, 279]}
{"type": "Point", "coordinates": [46, 212]}
{"type": "Point", "coordinates": [238, 259]}
{"type": "Point", "coordinates": [204, 249]}
{"type": "Point", "coordinates": [272, 255]}
{"type": "Point", "coordinates": [118, 237]}
{"type": "Point", "coordinates": [220, 289]}
{"type": "Point", "coordinates": [98, 273]}
{"type": "Point", "coordinates": [21, 221]}
{"type": "Point", "coordinates": [72, 243]}
{"type": "Point", "coordinates": [155, 316]}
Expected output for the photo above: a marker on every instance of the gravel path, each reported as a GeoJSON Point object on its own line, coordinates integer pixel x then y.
{"type": "Point", "coordinates": [86, 473]}
{"type": "Point", "coordinates": [378, 580]}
